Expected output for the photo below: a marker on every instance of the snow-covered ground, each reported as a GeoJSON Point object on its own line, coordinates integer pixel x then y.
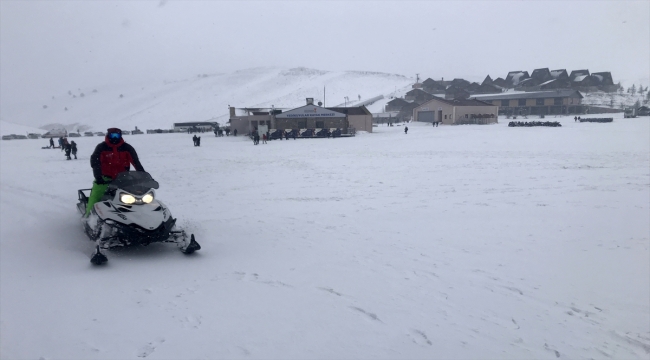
{"type": "Point", "coordinates": [449, 242]}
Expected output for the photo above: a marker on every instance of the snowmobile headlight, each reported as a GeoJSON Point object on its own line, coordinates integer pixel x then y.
{"type": "Point", "coordinates": [127, 198]}
{"type": "Point", "coordinates": [147, 198]}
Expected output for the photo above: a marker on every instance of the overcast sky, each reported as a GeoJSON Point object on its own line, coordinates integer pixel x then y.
{"type": "Point", "coordinates": [48, 47]}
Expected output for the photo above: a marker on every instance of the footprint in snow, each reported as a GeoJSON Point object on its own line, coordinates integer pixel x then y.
{"type": "Point", "coordinates": [150, 347]}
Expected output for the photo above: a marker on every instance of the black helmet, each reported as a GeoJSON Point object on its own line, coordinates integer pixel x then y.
{"type": "Point", "coordinates": [114, 135]}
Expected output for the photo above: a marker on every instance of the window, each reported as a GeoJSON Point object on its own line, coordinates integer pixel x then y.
{"type": "Point", "coordinates": [445, 117]}
{"type": "Point", "coordinates": [557, 101]}
{"type": "Point", "coordinates": [539, 102]}
{"type": "Point", "coordinates": [505, 102]}
{"type": "Point", "coordinates": [522, 102]}
{"type": "Point", "coordinates": [466, 116]}
{"type": "Point", "coordinates": [320, 124]}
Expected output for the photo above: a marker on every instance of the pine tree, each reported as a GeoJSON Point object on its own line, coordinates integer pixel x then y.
{"type": "Point", "coordinates": [633, 90]}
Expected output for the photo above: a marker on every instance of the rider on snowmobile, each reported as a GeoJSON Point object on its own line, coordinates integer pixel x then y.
{"type": "Point", "coordinates": [111, 157]}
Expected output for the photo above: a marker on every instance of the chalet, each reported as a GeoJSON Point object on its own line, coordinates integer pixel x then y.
{"type": "Point", "coordinates": [472, 87]}
{"type": "Point", "coordinates": [566, 101]}
{"type": "Point", "coordinates": [575, 73]}
{"type": "Point", "coordinates": [457, 111]}
{"type": "Point", "coordinates": [560, 74]}
{"type": "Point", "coordinates": [418, 95]}
{"type": "Point", "coordinates": [433, 87]}
{"type": "Point", "coordinates": [487, 80]}
{"type": "Point", "coordinates": [460, 83]}
{"type": "Point", "coordinates": [454, 92]}
{"type": "Point", "coordinates": [541, 75]}
{"type": "Point", "coordinates": [500, 82]}
{"type": "Point", "coordinates": [396, 104]}
{"type": "Point", "coordinates": [603, 78]}
{"type": "Point", "coordinates": [514, 77]}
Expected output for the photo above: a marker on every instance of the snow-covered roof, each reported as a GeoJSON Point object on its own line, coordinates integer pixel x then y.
{"type": "Point", "coordinates": [528, 95]}
{"type": "Point", "coordinates": [580, 78]}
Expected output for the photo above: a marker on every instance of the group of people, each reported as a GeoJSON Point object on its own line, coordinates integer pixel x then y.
{"type": "Point", "coordinates": [64, 145]}
{"type": "Point", "coordinates": [197, 140]}
{"type": "Point", "coordinates": [256, 137]}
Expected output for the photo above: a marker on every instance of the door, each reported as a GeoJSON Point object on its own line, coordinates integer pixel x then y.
{"type": "Point", "coordinates": [426, 116]}
{"type": "Point", "coordinates": [440, 116]}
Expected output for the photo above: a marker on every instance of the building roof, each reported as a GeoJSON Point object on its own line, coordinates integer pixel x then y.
{"type": "Point", "coordinates": [558, 73]}
{"type": "Point", "coordinates": [487, 80]}
{"type": "Point", "coordinates": [459, 102]}
{"type": "Point", "coordinates": [357, 110]}
{"type": "Point", "coordinates": [397, 101]}
{"type": "Point", "coordinates": [575, 73]}
{"type": "Point", "coordinates": [196, 123]}
{"type": "Point", "coordinates": [580, 78]}
{"type": "Point", "coordinates": [512, 95]}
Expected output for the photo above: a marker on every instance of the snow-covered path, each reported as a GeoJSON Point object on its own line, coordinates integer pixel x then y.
{"type": "Point", "coordinates": [449, 242]}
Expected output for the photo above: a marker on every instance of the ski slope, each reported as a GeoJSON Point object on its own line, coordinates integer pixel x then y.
{"type": "Point", "coordinates": [455, 242]}
{"type": "Point", "coordinates": [205, 97]}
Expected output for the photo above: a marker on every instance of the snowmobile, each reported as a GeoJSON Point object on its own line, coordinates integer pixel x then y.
{"type": "Point", "coordinates": [129, 214]}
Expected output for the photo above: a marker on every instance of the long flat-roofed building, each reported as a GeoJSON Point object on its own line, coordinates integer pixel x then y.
{"type": "Point", "coordinates": [566, 101]}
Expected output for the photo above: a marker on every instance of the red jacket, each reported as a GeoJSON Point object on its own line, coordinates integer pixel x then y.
{"type": "Point", "coordinates": [111, 159]}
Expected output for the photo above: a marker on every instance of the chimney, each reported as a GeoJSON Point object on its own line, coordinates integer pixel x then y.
{"type": "Point", "coordinates": [232, 112]}
{"type": "Point", "coordinates": [310, 101]}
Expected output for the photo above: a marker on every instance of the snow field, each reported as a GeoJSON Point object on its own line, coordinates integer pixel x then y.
{"type": "Point", "coordinates": [448, 242]}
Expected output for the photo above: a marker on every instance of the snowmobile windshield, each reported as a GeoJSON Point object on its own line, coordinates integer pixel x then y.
{"type": "Point", "coordinates": [134, 182]}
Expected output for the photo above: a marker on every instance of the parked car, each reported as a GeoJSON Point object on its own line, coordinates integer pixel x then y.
{"type": "Point", "coordinates": [99, 133]}
{"type": "Point", "coordinates": [55, 134]}
{"type": "Point", "coordinates": [73, 135]}
{"type": "Point", "coordinates": [33, 136]}
{"type": "Point", "coordinates": [136, 132]}
{"type": "Point", "coordinates": [307, 133]}
{"type": "Point", "coordinates": [126, 132]}
{"type": "Point", "coordinates": [323, 133]}
{"type": "Point", "coordinates": [276, 134]}
{"type": "Point", "coordinates": [88, 133]}
{"type": "Point", "coordinates": [20, 137]}
{"type": "Point", "coordinates": [7, 137]}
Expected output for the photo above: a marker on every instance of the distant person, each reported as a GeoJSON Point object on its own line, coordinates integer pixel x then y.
{"type": "Point", "coordinates": [73, 148]}
{"type": "Point", "coordinates": [68, 149]}
{"type": "Point", "coordinates": [194, 139]}
{"type": "Point", "coordinates": [227, 132]}
{"type": "Point", "coordinates": [234, 132]}
{"type": "Point", "coordinates": [406, 130]}
{"type": "Point", "coordinates": [61, 143]}
{"type": "Point", "coordinates": [52, 143]}
{"type": "Point", "coordinates": [575, 118]}
{"type": "Point", "coordinates": [256, 137]}
{"type": "Point", "coordinates": [263, 138]}
{"type": "Point", "coordinates": [294, 132]}
{"type": "Point", "coordinates": [198, 141]}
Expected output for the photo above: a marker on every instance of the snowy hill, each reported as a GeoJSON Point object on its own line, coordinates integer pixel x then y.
{"type": "Point", "coordinates": [204, 97]}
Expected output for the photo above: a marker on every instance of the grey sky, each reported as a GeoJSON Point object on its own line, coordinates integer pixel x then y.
{"type": "Point", "coordinates": [47, 47]}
